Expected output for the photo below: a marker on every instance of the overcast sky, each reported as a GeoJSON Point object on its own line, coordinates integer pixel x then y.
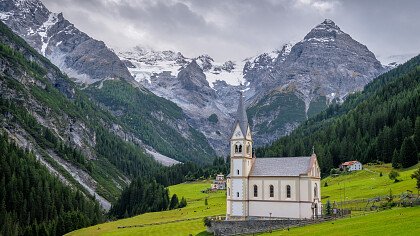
{"type": "Point", "coordinates": [236, 29]}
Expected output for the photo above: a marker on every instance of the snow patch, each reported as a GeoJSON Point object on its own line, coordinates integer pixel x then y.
{"type": "Point", "coordinates": [43, 31]}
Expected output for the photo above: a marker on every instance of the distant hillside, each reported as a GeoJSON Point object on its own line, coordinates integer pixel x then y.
{"type": "Point", "coordinates": [371, 125]}
{"type": "Point", "coordinates": [86, 146]}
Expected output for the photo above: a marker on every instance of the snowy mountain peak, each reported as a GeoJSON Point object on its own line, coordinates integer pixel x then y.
{"type": "Point", "coordinates": [325, 32]}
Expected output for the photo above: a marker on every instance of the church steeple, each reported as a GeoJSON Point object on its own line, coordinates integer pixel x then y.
{"type": "Point", "coordinates": [241, 116]}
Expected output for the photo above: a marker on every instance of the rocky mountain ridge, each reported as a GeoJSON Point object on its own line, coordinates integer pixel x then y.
{"type": "Point", "coordinates": [299, 79]}
{"type": "Point", "coordinates": [100, 72]}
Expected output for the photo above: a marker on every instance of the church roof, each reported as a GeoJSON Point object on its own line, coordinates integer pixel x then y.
{"type": "Point", "coordinates": [281, 166]}
{"type": "Point", "coordinates": [241, 116]}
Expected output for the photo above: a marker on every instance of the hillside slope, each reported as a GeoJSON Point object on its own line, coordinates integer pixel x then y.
{"type": "Point", "coordinates": [367, 127]}
{"type": "Point", "coordinates": [154, 123]}
{"type": "Point", "coordinates": [42, 110]}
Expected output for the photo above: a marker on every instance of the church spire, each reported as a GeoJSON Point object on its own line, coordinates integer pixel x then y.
{"type": "Point", "coordinates": [241, 116]}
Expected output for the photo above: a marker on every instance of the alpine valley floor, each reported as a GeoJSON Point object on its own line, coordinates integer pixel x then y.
{"type": "Point", "coordinates": [358, 185]}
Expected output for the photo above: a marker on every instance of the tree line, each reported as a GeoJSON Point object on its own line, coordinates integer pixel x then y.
{"type": "Point", "coordinates": [33, 202]}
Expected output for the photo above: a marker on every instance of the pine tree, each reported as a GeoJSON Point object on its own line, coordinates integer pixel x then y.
{"type": "Point", "coordinates": [417, 134]}
{"type": "Point", "coordinates": [328, 208]}
{"type": "Point", "coordinates": [396, 162]}
{"type": "Point", "coordinates": [408, 153]}
{"type": "Point", "coordinates": [174, 202]}
{"type": "Point", "coordinates": [183, 203]}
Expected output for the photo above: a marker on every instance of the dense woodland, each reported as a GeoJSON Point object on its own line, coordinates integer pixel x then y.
{"type": "Point", "coordinates": [148, 194]}
{"type": "Point", "coordinates": [33, 202]}
{"type": "Point", "coordinates": [381, 123]}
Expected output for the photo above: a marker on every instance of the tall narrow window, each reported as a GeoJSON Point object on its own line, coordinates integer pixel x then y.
{"type": "Point", "coordinates": [240, 148]}
{"type": "Point", "coordinates": [255, 191]}
{"type": "Point", "coordinates": [236, 148]}
{"type": "Point", "coordinates": [288, 191]}
{"type": "Point", "coordinates": [237, 194]}
{"type": "Point", "coordinates": [271, 191]}
{"type": "Point", "coordinates": [229, 192]}
{"type": "Point", "coordinates": [316, 190]}
{"type": "Point", "coordinates": [248, 149]}
{"type": "Point", "coordinates": [237, 172]}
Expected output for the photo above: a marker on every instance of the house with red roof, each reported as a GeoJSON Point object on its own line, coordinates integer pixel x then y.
{"type": "Point", "coordinates": [351, 166]}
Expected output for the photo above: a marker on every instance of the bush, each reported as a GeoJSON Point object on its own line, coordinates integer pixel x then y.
{"type": "Point", "coordinates": [393, 175]}
{"type": "Point", "coordinates": [325, 184]}
{"type": "Point", "coordinates": [182, 203]}
{"type": "Point", "coordinates": [213, 118]}
{"type": "Point", "coordinates": [207, 222]}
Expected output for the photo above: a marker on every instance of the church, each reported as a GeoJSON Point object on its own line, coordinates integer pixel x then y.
{"type": "Point", "coordinates": [282, 187]}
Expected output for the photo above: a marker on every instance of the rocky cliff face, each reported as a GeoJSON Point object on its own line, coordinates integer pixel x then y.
{"type": "Point", "coordinates": [325, 66]}
{"type": "Point", "coordinates": [74, 52]}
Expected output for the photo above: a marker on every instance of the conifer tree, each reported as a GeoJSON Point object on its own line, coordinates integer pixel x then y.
{"type": "Point", "coordinates": [408, 153]}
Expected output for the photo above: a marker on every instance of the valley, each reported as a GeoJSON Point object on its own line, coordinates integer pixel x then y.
{"type": "Point", "coordinates": [363, 184]}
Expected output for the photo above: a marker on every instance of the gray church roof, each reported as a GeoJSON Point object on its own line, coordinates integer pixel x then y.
{"type": "Point", "coordinates": [241, 116]}
{"type": "Point", "coordinates": [281, 166]}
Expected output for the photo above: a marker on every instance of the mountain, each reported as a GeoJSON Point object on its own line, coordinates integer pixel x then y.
{"type": "Point", "coordinates": [326, 66]}
{"type": "Point", "coordinates": [155, 124]}
{"type": "Point", "coordinates": [377, 124]}
{"type": "Point", "coordinates": [73, 51]}
{"type": "Point", "coordinates": [282, 88]}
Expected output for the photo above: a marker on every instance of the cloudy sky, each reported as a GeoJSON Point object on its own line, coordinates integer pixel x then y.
{"type": "Point", "coordinates": [236, 29]}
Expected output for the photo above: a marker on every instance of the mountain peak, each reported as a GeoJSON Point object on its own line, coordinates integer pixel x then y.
{"type": "Point", "coordinates": [324, 32]}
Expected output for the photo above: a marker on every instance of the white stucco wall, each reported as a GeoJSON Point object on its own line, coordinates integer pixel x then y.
{"type": "Point", "coordinates": [237, 209]}
{"type": "Point", "coordinates": [237, 165]}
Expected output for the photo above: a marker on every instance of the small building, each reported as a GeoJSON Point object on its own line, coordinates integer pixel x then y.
{"type": "Point", "coordinates": [351, 166]}
{"type": "Point", "coordinates": [219, 183]}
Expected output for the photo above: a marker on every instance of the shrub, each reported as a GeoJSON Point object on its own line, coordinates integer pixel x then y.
{"type": "Point", "coordinates": [393, 175]}
{"type": "Point", "coordinates": [207, 222]}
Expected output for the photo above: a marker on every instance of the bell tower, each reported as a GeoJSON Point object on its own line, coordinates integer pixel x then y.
{"type": "Point", "coordinates": [240, 164]}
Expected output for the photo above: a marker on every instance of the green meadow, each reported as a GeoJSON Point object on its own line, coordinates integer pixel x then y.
{"type": "Point", "coordinates": [358, 185]}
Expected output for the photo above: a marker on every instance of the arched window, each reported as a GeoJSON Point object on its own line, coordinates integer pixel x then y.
{"type": "Point", "coordinates": [255, 191]}
{"type": "Point", "coordinates": [237, 194]}
{"type": "Point", "coordinates": [237, 171]}
{"type": "Point", "coordinates": [240, 148]}
{"type": "Point", "coordinates": [248, 149]}
{"type": "Point", "coordinates": [236, 148]}
{"type": "Point", "coordinates": [288, 191]}
{"type": "Point", "coordinates": [316, 190]}
{"type": "Point", "coordinates": [271, 191]}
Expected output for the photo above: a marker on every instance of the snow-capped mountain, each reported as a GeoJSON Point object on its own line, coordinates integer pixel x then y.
{"type": "Point", "coordinates": [74, 52]}
{"type": "Point", "coordinates": [283, 87]}
{"type": "Point", "coordinates": [201, 86]}
{"type": "Point", "coordinates": [395, 60]}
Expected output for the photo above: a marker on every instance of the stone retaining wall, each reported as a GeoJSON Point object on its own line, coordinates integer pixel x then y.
{"type": "Point", "coordinates": [223, 227]}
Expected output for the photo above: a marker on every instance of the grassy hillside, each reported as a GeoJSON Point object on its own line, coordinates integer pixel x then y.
{"type": "Point", "coordinates": [397, 221]}
{"type": "Point", "coordinates": [367, 183]}
{"type": "Point", "coordinates": [361, 184]}
{"type": "Point", "coordinates": [189, 219]}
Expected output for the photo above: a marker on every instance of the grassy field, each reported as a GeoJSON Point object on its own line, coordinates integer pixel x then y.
{"type": "Point", "coordinates": [362, 184]}
{"type": "Point", "coordinates": [397, 221]}
{"type": "Point", "coordinates": [189, 219]}
{"type": "Point", "coordinates": [367, 184]}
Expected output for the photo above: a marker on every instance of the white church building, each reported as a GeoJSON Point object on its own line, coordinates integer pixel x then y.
{"type": "Point", "coordinates": [283, 187]}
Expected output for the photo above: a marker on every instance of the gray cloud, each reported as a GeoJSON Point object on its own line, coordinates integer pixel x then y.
{"type": "Point", "coordinates": [235, 29]}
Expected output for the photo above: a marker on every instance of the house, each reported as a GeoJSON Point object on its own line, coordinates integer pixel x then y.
{"type": "Point", "coordinates": [219, 183]}
{"type": "Point", "coordinates": [351, 166]}
{"type": "Point", "coordinates": [282, 187]}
